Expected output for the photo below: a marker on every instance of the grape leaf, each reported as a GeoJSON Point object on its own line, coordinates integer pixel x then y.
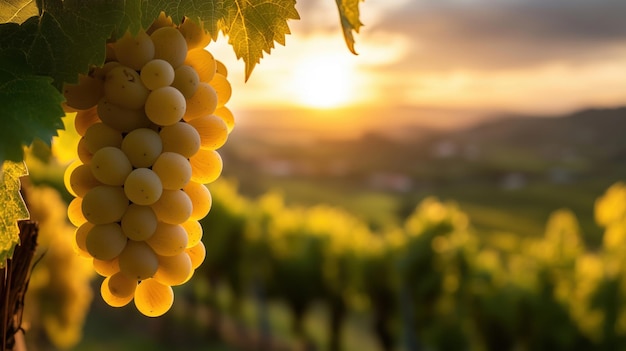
{"type": "Point", "coordinates": [17, 10]}
{"type": "Point", "coordinates": [252, 26]}
{"type": "Point", "coordinates": [13, 207]}
{"type": "Point", "coordinates": [31, 106]}
{"type": "Point", "coordinates": [349, 16]}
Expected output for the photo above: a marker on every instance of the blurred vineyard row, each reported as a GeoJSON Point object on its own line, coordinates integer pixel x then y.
{"type": "Point", "coordinates": [434, 283]}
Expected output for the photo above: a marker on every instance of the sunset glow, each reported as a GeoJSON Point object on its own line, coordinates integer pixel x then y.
{"type": "Point", "coordinates": [323, 82]}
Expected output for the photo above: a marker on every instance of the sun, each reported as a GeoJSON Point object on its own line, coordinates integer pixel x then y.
{"type": "Point", "coordinates": [323, 81]}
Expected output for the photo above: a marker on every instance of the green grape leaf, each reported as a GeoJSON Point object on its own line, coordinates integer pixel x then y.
{"type": "Point", "coordinates": [252, 26]}
{"type": "Point", "coordinates": [349, 15]}
{"type": "Point", "coordinates": [31, 106]}
{"type": "Point", "coordinates": [17, 10]}
{"type": "Point", "coordinates": [13, 207]}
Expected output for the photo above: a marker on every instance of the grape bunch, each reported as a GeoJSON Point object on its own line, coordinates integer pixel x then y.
{"type": "Point", "coordinates": [150, 119]}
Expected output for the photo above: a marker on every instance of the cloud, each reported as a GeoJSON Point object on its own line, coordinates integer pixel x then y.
{"type": "Point", "coordinates": [489, 35]}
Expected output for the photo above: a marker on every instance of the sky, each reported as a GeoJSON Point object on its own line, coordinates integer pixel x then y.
{"type": "Point", "coordinates": [432, 58]}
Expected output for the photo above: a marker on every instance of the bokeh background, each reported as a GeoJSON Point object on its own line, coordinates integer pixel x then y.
{"type": "Point", "coordinates": [454, 186]}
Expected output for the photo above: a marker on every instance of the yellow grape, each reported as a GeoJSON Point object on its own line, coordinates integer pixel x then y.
{"type": "Point", "coordinates": [174, 207]}
{"type": "Point", "coordinates": [143, 186]}
{"type": "Point", "coordinates": [120, 118]}
{"type": "Point", "coordinates": [123, 87]}
{"type": "Point", "coordinates": [85, 94]}
{"type": "Point", "coordinates": [99, 135]}
{"type": "Point", "coordinates": [80, 238]}
{"type": "Point", "coordinates": [173, 169]}
{"type": "Point", "coordinates": [213, 131]}
{"type": "Point", "coordinates": [115, 290]}
{"type": "Point", "coordinates": [104, 204]}
{"type": "Point", "coordinates": [194, 232]}
{"type": "Point", "coordinates": [197, 254]}
{"type": "Point", "coordinates": [222, 89]}
{"type": "Point", "coordinates": [139, 222]}
{"type": "Point", "coordinates": [110, 166]}
{"type": "Point", "coordinates": [152, 298]}
{"type": "Point", "coordinates": [202, 62]}
{"type": "Point", "coordinates": [82, 180]}
{"type": "Point", "coordinates": [194, 33]}
{"type": "Point", "coordinates": [134, 50]}
{"type": "Point", "coordinates": [75, 212]}
{"type": "Point", "coordinates": [84, 119]}
{"type": "Point", "coordinates": [156, 74]}
{"type": "Point", "coordinates": [224, 113]}
{"type": "Point", "coordinates": [221, 68]}
{"type": "Point", "coordinates": [165, 106]}
{"type": "Point", "coordinates": [180, 138]}
{"type": "Point", "coordinates": [83, 152]}
{"type": "Point", "coordinates": [202, 103]}
{"type": "Point", "coordinates": [186, 80]}
{"type": "Point", "coordinates": [105, 241]}
{"type": "Point", "coordinates": [200, 199]}
{"type": "Point", "coordinates": [168, 239]}
{"type": "Point", "coordinates": [169, 45]}
{"type": "Point", "coordinates": [106, 268]}
{"type": "Point", "coordinates": [142, 147]}
{"type": "Point", "coordinates": [138, 260]}
{"type": "Point", "coordinates": [68, 173]}
{"type": "Point", "coordinates": [174, 270]}
{"type": "Point", "coordinates": [206, 166]}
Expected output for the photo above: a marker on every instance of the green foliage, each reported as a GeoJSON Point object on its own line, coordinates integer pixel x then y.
{"type": "Point", "coordinates": [13, 209]}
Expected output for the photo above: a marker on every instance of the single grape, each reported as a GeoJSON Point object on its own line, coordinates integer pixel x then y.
{"type": "Point", "coordinates": [118, 290]}
{"type": "Point", "coordinates": [134, 51]}
{"type": "Point", "coordinates": [202, 103]}
{"type": "Point", "coordinates": [197, 254]}
{"type": "Point", "coordinates": [123, 87]}
{"type": "Point", "coordinates": [202, 62]}
{"type": "Point", "coordinates": [142, 147]}
{"type": "Point", "coordinates": [212, 129]}
{"type": "Point", "coordinates": [165, 106]}
{"type": "Point", "coordinates": [194, 232]}
{"type": "Point", "coordinates": [200, 199]}
{"type": "Point", "coordinates": [221, 68]}
{"type": "Point", "coordinates": [174, 270]}
{"type": "Point", "coordinates": [224, 113]}
{"type": "Point", "coordinates": [186, 80]}
{"type": "Point", "coordinates": [75, 212]}
{"type": "Point", "coordinates": [139, 222]}
{"type": "Point", "coordinates": [110, 166]}
{"type": "Point", "coordinates": [156, 74]}
{"type": "Point", "coordinates": [138, 260]}
{"type": "Point", "coordinates": [173, 207]}
{"type": "Point", "coordinates": [105, 241]}
{"type": "Point", "coordinates": [169, 45]}
{"type": "Point", "coordinates": [173, 169]}
{"type": "Point", "coordinates": [194, 33]}
{"type": "Point", "coordinates": [84, 119]}
{"type": "Point", "coordinates": [222, 89]}
{"type": "Point", "coordinates": [99, 135]}
{"type": "Point", "coordinates": [153, 299]}
{"type": "Point", "coordinates": [104, 204]}
{"type": "Point", "coordinates": [206, 166]}
{"type": "Point", "coordinates": [143, 186]}
{"type": "Point", "coordinates": [180, 138]}
{"type": "Point", "coordinates": [80, 236]}
{"type": "Point", "coordinates": [168, 239]}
